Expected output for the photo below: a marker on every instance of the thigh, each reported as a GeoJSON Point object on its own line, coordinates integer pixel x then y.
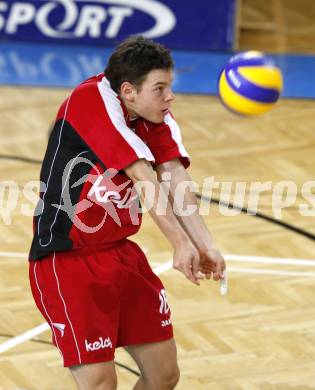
{"type": "Point", "coordinates": [79, 297]}
{"type": "Point", "coordinates": [155, 360]}
{"type": "Point", "coordinates": [97, 375]}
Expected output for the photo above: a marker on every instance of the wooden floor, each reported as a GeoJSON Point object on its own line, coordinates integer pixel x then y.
{"type": "Point", "coordinates": [262, 334]}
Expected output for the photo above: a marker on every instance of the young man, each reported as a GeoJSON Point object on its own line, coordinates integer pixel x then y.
{"type": "Point", "coordinates": [93, 285]}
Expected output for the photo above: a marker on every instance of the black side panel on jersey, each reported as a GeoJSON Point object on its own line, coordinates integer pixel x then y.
{"type": "Point", "coordinates": [66, 163]}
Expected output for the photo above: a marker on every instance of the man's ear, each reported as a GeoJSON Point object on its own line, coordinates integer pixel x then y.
{"type": "Point", "coordinates": [127, 91]}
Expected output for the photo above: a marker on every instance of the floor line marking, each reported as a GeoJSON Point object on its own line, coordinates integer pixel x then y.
{"type": "Point", "coordinates": [227, 256]}
{"type": "Point", "coordinates": [43, 327]}
{"type": "Point", "coordinates": [23, 337]}
{"type": "Point", "coordinates": [14, 254]}
{"type": "Point", "coordinates": [271, 272]}
{"type": "Point", "coordinates": [168, 265]}
{"type": "Point", "coordinates": [163, 268]}
{"type": "Point", "coordinates": [269, 260]}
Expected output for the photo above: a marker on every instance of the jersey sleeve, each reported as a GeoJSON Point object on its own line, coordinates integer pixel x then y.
{"type": "Point", "coordinates": [96, 114]}
{"type": "Point", "coordinates": [165, 142]}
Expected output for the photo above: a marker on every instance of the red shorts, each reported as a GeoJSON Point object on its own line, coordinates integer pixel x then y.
{"type": "Point", "coordinates": [97, 300]}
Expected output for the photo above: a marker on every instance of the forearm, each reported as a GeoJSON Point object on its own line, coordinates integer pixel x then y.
{"type": "Point", "coordinates": [193, 224]}
{"type": "Point", "coordinates": [185, 205]}
{"type": "Point", "coordinates": [152, 195]}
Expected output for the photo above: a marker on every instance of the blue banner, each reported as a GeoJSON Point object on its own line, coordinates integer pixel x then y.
{"type": "Point", "coordinates": [201, 25]}
{"type": "Point", "coordinates": [31, 64]}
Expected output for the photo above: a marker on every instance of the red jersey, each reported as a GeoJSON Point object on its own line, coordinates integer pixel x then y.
{"type": "Point", "coordinates": [86, 198]}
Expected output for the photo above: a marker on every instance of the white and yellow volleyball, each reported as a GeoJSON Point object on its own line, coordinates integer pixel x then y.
{"type": "Point", "coordinates": [250, 83]}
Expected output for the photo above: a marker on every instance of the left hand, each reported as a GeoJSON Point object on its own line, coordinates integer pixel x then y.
{"type": "Point", "coordinates": [212, 264]}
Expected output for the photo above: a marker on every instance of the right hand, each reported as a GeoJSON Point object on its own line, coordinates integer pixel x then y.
{"type": "Point", "coordinates": [186, 260]}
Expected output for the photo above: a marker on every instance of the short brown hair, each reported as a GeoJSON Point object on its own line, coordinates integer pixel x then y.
{"type": "Point", "coordinates": [133, 59]}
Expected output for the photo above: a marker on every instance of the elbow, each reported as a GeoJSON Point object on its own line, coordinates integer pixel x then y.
{"type": "Point", "coordinates": [139, 170]}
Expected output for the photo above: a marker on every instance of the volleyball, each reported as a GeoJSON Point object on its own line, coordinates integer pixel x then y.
{"type": "Point", "coordinates": [250, 83]}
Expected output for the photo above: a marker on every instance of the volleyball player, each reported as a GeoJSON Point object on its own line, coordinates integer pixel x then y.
{"type": "Point", "coordinates": [115, 139]}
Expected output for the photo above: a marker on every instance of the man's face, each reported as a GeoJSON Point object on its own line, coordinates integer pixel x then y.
{"type": "Point", "coordinates": [154, 99]}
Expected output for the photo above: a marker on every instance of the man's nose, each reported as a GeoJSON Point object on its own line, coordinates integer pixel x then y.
{"type": "Point", "coordinates": [170, 96]}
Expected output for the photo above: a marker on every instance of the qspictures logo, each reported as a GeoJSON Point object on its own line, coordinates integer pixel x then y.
{"type": "Point", "coordinates": [69, 19]}
{"type": "Point", "coordinates": [233, 198]}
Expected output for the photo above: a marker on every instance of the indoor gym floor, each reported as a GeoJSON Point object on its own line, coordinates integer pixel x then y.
{"type": "Point", "coordinates": [261, 334]}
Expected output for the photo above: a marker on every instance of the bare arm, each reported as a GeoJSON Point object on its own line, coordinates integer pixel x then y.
{"type": "Point", "coordinates": [182, 196]}
{"type": "Point", "coordinates": [186, 257]}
